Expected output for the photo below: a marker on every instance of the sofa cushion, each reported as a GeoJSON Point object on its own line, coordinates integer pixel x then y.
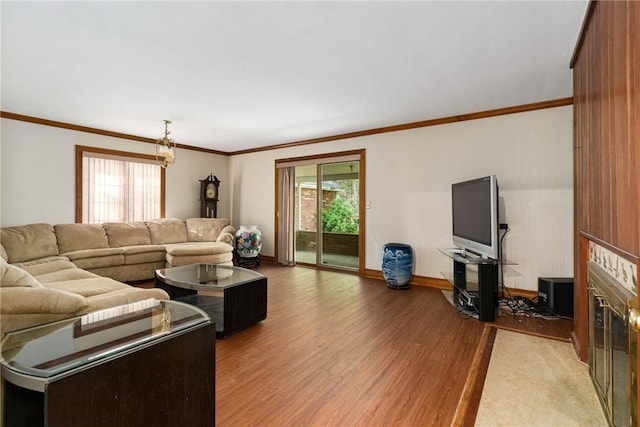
{"type": "Point", "coordinates": [3, 253]}
{"type": "Point", "coordinates": [39, 261]}
{"type": "Point", "coordinates": [198, 248]}
{"type": "Point", "coordinates": [130, 272]}
{"type": "Point", "coordinates": [143, 254]}
{"type": "Point", "coordinates": [127, 233]}
{"type": "Point", "coordinates": [205, 229]}
{"type": "Point", "coordinates": [93, 253]}
{"type": "Point", "coordinates": [65, 274]}
{"type": "Point", "coordinates": [167, 230]}
{"type": "Point", "coordinates": [12, 276]}
{"type": "Point", "coordinates": [27, 242]}
{"type": "Point", "coordinates": [40, 300]}
{"type": "Point", "coordinates": [48, 267]}
{"type": "Point", "coordinates": [75, 237]}
{"type": "Point", "coordinates": [105, 259]}
{"type": "Point", "coordinates": [88, 287]}
{"type": "Point", "coordinates": [199, 252]}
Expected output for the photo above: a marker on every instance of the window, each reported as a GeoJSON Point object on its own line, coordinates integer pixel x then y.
{"type": "Point", "coordinates": [117, 186]}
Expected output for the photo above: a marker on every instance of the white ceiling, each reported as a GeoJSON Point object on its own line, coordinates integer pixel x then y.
{"type": "Point", "coordinates": [240, 75]}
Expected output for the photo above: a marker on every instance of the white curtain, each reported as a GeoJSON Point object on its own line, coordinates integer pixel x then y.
{"type": "Point", "coordinates": [286, 210]}
{"type": "Point", "coordinates": [119, 188]}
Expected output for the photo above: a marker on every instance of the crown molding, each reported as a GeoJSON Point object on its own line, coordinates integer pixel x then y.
{"type": "Point", "coordinates": [395, 128]}
{"type": "Point", "coordinates": [414, 125]}
{"type": "Point", "coordinates": [69, 126]}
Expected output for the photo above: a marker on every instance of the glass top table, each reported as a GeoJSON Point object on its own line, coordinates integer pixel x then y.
{"type": "Point", "coordinates": [206, 276]}
{"type": "Point", "coordinates": [234, 297]}
{"type": "Point", "coordinates": [32, 357]}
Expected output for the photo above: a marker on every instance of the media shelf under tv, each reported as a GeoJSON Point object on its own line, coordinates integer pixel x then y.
{"type": "Point", "coordinates": [474, 279]}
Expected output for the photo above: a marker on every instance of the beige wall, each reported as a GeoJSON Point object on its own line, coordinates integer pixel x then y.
{"type": "Point", "coordinates": [37, 174]}
{"type": "Point", "coordinates": [408, 179]}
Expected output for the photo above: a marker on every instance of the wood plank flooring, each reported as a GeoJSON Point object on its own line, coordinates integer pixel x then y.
{"type": "Point", "coordinates": [340, 350]}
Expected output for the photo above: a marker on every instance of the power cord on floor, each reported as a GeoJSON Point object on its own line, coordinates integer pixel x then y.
{"type": "Point", "coordinates": [519, 306]}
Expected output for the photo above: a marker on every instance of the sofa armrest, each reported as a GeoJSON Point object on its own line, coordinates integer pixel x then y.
{"type": "Point", "coordinates": [227, 235]}
{"type": "Point", "coordinates": [209, 229]}
{"type": "Point", "coordinates": [229, 229]}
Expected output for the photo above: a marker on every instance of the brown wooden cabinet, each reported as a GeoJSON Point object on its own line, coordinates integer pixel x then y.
{"type": "Point", "coordinates": [606, 73]}
{"type": "Point", "coordinates": [606, 77]}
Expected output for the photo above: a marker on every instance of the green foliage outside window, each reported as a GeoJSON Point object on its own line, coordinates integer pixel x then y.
{"type": "Point", "coordinates": [340, 217]}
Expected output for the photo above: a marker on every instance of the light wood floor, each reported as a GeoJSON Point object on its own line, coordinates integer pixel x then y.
{"type": "Point", "coordinates": [340, 350]}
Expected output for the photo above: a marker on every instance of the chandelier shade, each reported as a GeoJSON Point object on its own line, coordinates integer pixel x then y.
{"type": "Point", "coordinates": [166, 148]}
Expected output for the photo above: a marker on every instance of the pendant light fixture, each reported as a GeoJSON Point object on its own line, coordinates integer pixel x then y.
{"type": "Point", "coordinates": [166, 148]}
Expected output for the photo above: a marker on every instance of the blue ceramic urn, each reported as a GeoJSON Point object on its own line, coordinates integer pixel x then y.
{"type": "Point", "coordinates": [397, 265]}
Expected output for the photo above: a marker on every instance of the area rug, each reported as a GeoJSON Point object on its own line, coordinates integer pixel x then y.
{"type": "Point", "coordinates": [535, 381]}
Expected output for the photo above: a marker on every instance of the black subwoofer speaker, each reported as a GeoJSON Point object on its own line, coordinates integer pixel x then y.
{"type": "Point", "coordinates": [557, 294]}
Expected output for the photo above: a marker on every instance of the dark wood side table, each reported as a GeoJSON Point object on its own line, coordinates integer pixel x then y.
{"type": "Point", "coordinates": [150, 366]}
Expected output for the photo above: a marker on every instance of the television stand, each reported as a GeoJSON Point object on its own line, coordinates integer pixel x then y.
{"type": "Point", "coordinates": [485, 285]}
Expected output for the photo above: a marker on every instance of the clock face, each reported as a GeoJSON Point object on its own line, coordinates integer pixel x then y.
{"type": "Point", "coordinates": [211, 191]}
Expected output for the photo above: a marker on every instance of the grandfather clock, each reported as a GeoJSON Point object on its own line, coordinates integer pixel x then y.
{"type": "Point", "coordinates": [209, 197]}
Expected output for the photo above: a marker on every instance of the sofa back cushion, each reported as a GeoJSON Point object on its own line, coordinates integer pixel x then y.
{"type": "Point", "coordinates": [127, 234]}
{"type": "Point", "coordinates": [76, 237]}
{"type": "Point", "coordinates": [205, 229]}
{"type": "Point", "coordinates": [27, 242]}
{"type": "Point", "coordinates": [167, 230]}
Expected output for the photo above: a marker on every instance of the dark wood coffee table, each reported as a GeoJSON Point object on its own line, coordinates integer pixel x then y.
{"type": "Point", "coordinates": [234, 297]}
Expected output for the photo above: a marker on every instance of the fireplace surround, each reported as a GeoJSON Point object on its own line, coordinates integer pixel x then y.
{"type": "Point", "coordinates": [612, 346]}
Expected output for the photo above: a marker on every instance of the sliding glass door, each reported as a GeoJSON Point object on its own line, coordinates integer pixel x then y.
{"type": "Point", "coordinates": [306, 214]}
{"type": "Point", "coordinates": [320, 210]}
{"type": "Point", "coordinates": [327, 214]}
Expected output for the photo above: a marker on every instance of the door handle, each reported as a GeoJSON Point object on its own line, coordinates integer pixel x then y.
{"type": "Point", "coordinates": [634, 315]}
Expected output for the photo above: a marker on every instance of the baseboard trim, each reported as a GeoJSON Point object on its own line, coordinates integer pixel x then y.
{"type": "Point", "coordinates": [437, 283]}
{"type": "Point", "coordinates": [269, 259]}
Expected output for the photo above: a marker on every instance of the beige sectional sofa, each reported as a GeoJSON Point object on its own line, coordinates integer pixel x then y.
{"type": "Point", "coordinates": [51, 272]}
{"type": "Point", "coordinates": [60, 291]}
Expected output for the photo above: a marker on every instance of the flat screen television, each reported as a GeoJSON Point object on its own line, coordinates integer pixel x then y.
{"type": "Point", "coordinates": [475, 216]}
